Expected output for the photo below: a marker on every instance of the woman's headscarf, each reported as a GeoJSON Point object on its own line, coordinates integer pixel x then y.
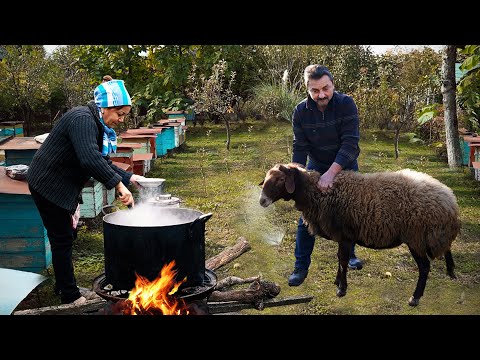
{"type": "Point", "coordinates": [112, 93]}
{"type": "Point", "coordinates": [109, 94]}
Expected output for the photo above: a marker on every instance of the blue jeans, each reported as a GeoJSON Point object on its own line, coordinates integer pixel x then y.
{"type": "Point", "coordinates": [304, 247]}
{"type": "Point", "coordinates": [304, 241]}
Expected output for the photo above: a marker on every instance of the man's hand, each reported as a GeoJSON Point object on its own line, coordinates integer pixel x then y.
{"type": "Point", "coordinates": [326, 180]}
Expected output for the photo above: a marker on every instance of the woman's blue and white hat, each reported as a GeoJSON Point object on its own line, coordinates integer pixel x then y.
{"type": "Point", "coordinates": [112, 93]}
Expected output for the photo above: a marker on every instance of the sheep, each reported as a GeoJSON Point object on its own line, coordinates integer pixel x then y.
{"type": "Point", "coordinates": [376, 210]}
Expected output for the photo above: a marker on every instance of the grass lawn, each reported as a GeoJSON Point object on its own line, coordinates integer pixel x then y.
{"type": "Point", "coordinates": [207, 177]}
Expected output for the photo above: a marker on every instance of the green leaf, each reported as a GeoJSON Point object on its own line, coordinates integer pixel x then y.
{"type": "Point", "coordinates": [470, 63]}
{"type": "Point", "coordinates": [425, 117]}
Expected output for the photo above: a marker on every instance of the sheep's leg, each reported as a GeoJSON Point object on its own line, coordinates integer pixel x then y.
{"type": "Point", "coordinates": [423, 264]}
{"type": "Point", "coordinates": [343, 255]}
{"type": "Point", "coordinates": [450, 264]}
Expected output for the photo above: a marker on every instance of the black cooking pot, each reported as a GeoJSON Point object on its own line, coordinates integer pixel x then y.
{"type": "Point", "coordinates": [144, 239]}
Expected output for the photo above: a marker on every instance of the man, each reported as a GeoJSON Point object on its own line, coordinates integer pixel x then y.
{"type": "Point", "coordinates": [326, 130]}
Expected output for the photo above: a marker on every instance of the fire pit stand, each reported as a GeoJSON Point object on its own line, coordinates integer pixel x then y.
{"type": "Point", "coordinates": [188, 293]}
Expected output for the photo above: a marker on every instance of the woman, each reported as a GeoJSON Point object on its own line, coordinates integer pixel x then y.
{"type": "Point", "coordinates": [75, 150]}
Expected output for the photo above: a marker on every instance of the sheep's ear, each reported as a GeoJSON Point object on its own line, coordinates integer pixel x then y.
{"type": "Point", "coordinates": [289, 178]}
{"type": "Point", "coordinates": [290, 181]}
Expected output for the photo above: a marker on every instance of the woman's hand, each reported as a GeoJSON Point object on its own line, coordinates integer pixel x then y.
{"type": "Point", "coordinates": [124, 195]}
{"type": "Point", "coordinates": [134, 179]}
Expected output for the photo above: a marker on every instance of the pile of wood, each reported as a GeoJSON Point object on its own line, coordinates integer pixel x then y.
{"type": "Point", "coordinates": [257, 295]}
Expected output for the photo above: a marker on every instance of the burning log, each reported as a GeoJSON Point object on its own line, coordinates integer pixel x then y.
{"type": "Point", "coordinates": [228, 254]}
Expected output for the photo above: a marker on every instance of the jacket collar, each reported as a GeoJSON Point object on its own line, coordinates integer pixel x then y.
{"type": "Point", "coordinates": [94, 109]}
{"type": "Point", "coordinates": [310, 104]}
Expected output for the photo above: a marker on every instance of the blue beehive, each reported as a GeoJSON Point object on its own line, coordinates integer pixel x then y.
{"type": "Point", "coordinates": [19, 150]}
{"type": "Point", "coordinates": [465, 151]}
{"type": "Point", "coordinates": [24, 243]}
{"type": "Point", "coordinates": [11, 128]}
{"type": "Point", "coordinates": [169, 137]}
{"type": "Point", "coordinates": [175, 114]}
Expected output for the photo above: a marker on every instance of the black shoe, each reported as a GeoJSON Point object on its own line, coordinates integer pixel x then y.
{"type": "Point", "coordinates": [354, 263]}
{"type": "Point", "coordinates": [297, 277]}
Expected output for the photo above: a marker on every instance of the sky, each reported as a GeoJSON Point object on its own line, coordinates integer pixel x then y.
{"type": "Point", "coordinates": [377, 49]}
{"type": "Point", "coordinates": [381, 49]}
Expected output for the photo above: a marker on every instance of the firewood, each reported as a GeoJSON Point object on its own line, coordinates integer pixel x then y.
{"type": "Point", "coordinates": [234, 280]}
{"type": "Point", "coordinates": [66, 309]}
{"type": "Point", "coordinates": [228, 254]}
{"type": "Point", "coordinates": [233, 306]}
{"type": "Point", "coordinates": [255, 294]}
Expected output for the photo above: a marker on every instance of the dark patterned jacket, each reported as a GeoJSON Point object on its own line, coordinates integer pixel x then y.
{"type": "Point", "coordinates": [326, 137]}
{"type": "Point", "coordinates": [70, 155]}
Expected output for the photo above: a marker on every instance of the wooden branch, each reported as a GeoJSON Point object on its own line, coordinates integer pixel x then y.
{"type": "Point", "coordinates": [66, 309]}
{"type": "Point", "coordinates": [220, 307]}
{"type": "Point", "coordinates": [228, 254]}
{"type": "Point", "coordinates": [256, 294]}
{"type": "Point", "coordinates": [232, 306]}
{"type": "Point", "coordinates": [234, 280]}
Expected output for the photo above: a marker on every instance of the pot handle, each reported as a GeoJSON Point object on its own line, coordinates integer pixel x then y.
{"type": "Point", "coordinates": [108, 209]}
{"type": "Point", "coordinates": [203, 218]}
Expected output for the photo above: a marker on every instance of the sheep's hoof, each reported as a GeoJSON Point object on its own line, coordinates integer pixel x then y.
{"type": "Point", "coordinates": [341, 292]}
{"type": "Point", "coordinates": [413, 302]}
{"type": "Point", "coordinates": [451, 274]}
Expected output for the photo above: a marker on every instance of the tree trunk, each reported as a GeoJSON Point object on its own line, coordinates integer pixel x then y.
{"type": "Point", "coordinates": [227, 126]}
{"type": "Point", "coordinates": [449, 102]}
{"type": "Point", "coordinates": [397, 137]}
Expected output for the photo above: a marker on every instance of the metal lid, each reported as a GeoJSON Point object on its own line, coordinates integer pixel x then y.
{"type": "Point", "coordinates": [164, 199]}
{"type": "Point", "coordinates": [151, 182]}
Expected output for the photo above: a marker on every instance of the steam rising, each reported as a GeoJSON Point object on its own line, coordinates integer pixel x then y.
{"type": "Point", "coordinates": [259, 219]}
{"type": "Point", "coordinates": [147, 215]}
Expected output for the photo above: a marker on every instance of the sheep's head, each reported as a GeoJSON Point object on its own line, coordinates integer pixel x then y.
{"type": "Point", "coordinates": [279, 183]}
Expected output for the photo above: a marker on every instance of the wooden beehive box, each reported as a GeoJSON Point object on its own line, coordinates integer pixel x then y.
{"type": "Point", "coordinates": [24, 243]}
{"type": "Point", "coordinates": [177, 128]}
{"type": "Point", "coordinates": [93, 199]}
{"type": "Point", "coordinates": [14, 128]}
{"type": "Point", "coordinates": [19, 150]}
{"type": "Point", "coordinates": [143, 140]}
{"type": "Point", "coordinates": [175, 114]}
{"type": "Point", "coordinates": [168, 137]}
{"type": "Point", "coordinates": [142, 163]}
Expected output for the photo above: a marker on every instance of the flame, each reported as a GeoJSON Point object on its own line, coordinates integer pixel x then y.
{"type": "Point", "coordinates": [156, 297]}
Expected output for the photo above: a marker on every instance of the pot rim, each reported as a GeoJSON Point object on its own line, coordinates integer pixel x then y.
{"type": "Point", "coordinates": [195, 214]}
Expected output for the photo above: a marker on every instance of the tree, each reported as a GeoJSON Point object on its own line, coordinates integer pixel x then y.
{"type": "Point", "coordinates": [214, 95]}
{"type": "Point", "coordinates": [469, 86]}
{"type": "Point", "coordinates": [454, 153]}
{"type": "Point", "coordinates": [73, 82]}
{"type": "Point", "coordinates": [24, 71]}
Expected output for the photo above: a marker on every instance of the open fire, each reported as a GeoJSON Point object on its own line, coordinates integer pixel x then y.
{"type": "Point", "coordinates": [156, 297]}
